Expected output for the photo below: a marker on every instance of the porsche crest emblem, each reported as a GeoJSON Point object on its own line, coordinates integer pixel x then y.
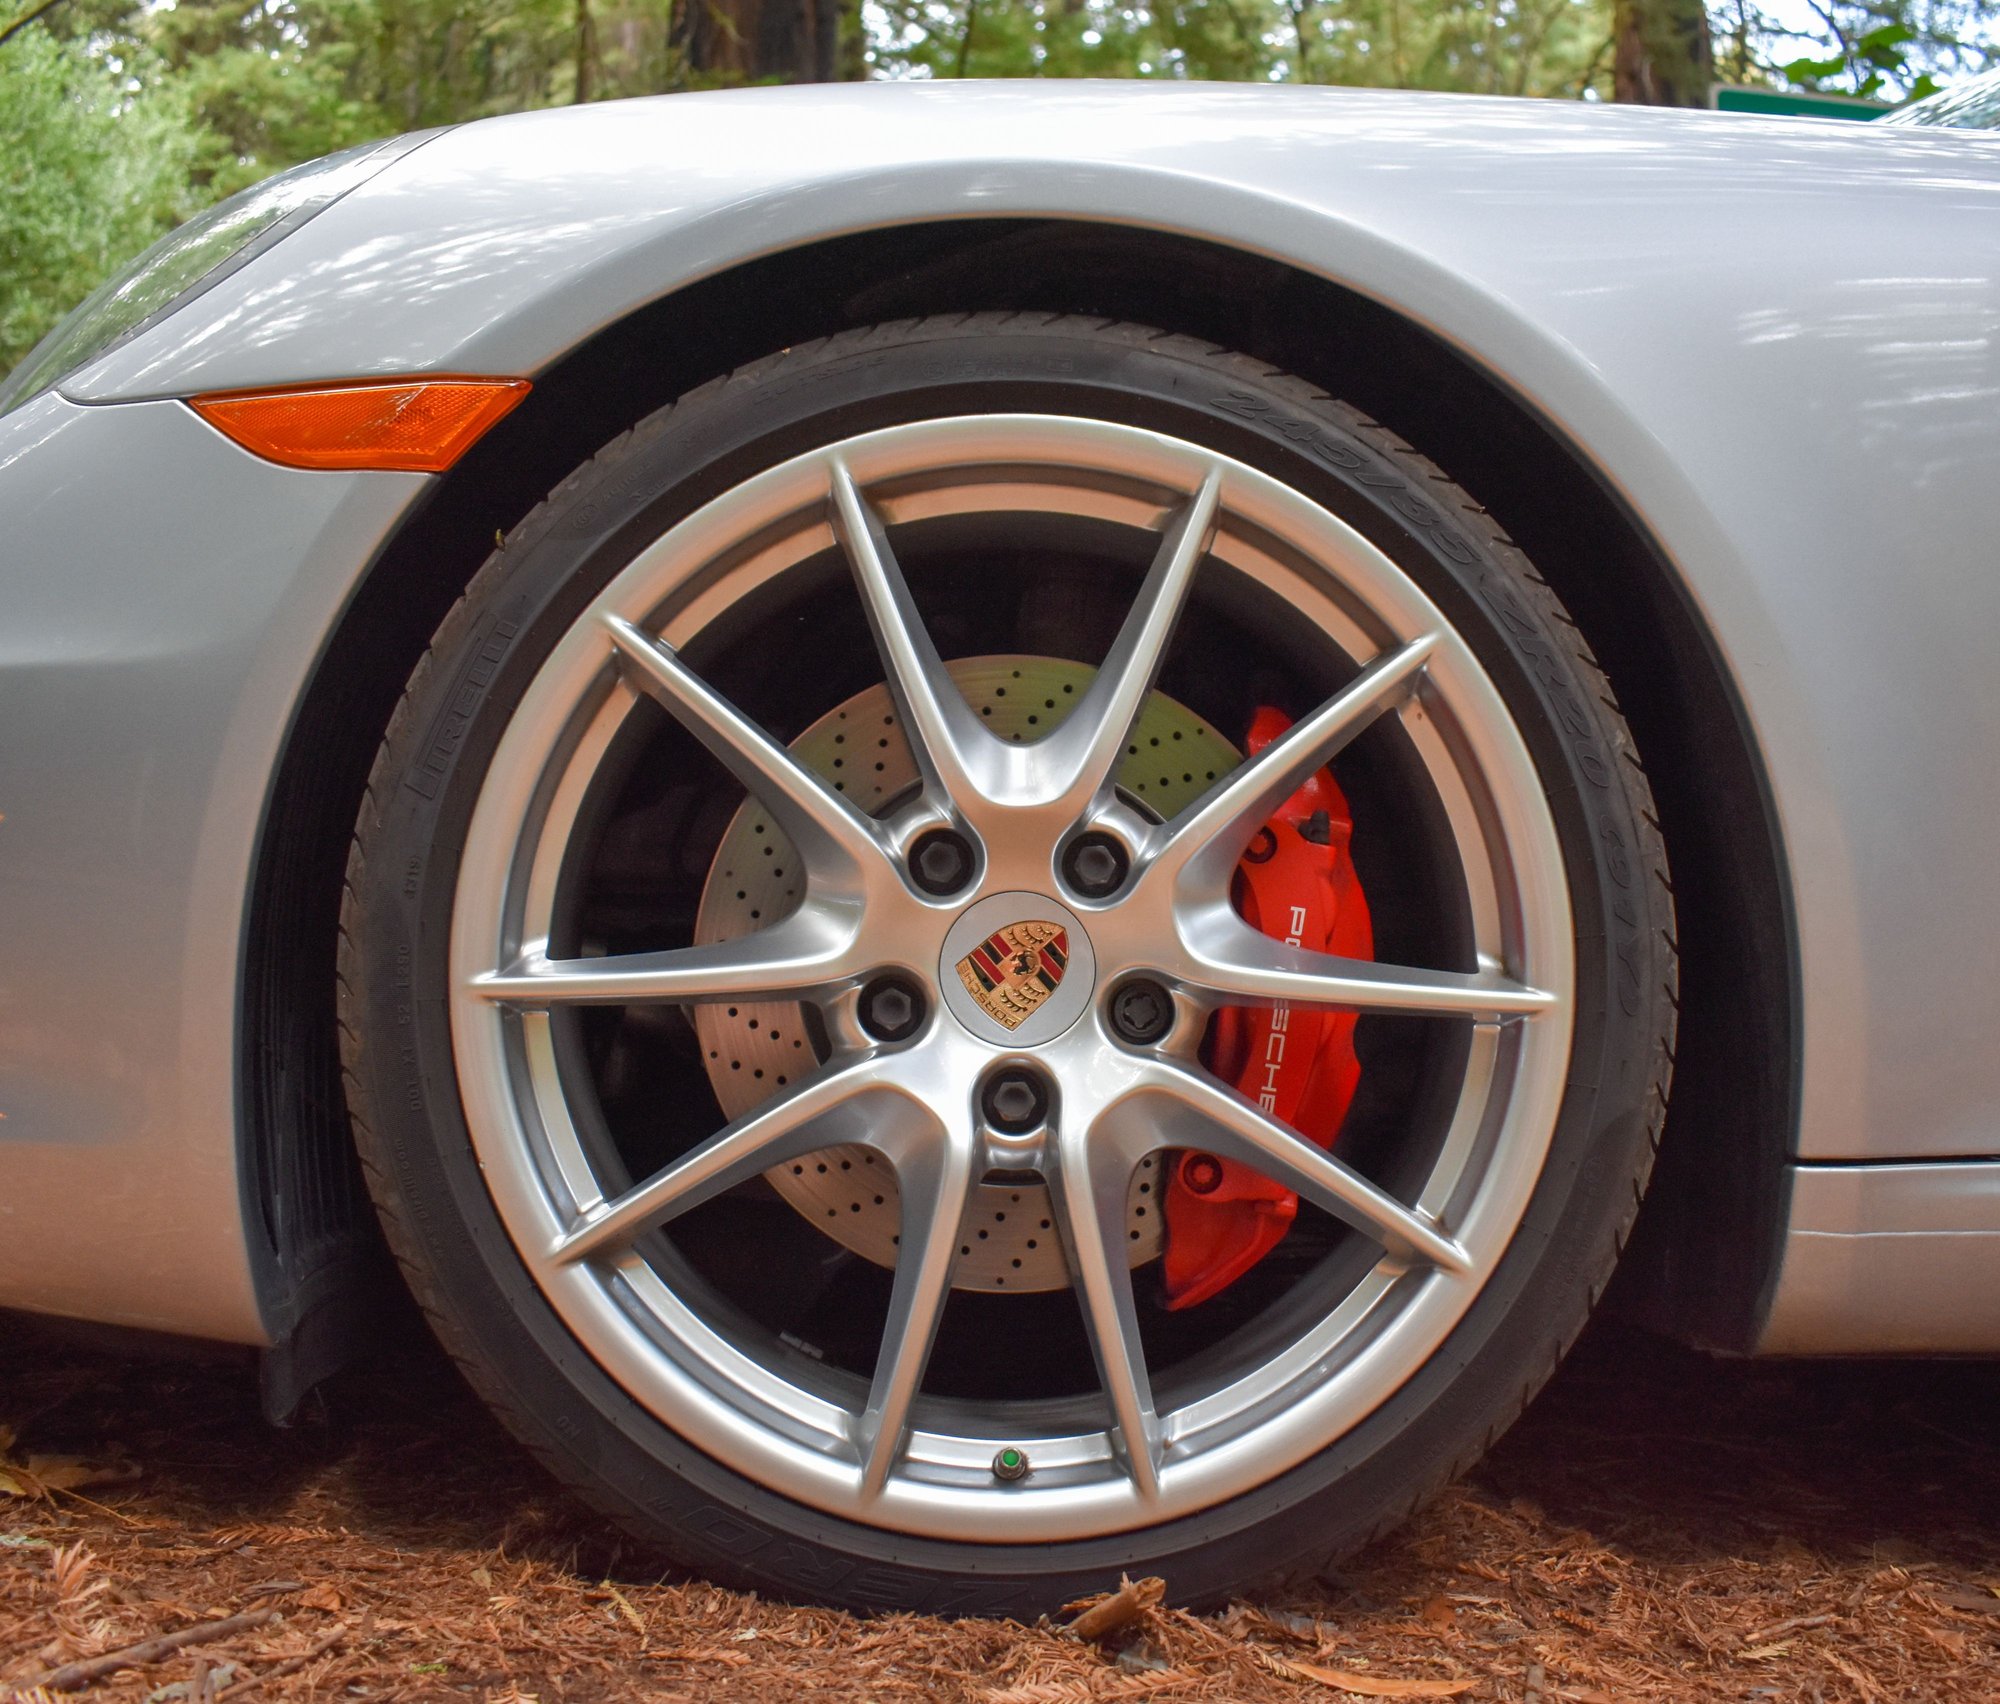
{"type": "Point", "coordinates": [1015, 969]}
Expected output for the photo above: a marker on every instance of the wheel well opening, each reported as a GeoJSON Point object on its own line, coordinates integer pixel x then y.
{"type": "Point", "coordinates": [1706, 1242]}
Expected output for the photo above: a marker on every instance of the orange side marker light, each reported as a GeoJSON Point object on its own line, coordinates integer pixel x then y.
{"type": "Point", "coordinates": [406, 425]}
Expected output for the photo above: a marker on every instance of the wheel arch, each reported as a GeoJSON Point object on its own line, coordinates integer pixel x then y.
{"type": "Point", "coordinates": [1706, 1247]}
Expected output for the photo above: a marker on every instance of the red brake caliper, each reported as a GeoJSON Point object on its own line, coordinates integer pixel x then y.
{"type": "Point", "coordinates": [1296, 883]}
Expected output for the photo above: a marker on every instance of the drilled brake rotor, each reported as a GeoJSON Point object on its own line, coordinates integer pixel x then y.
{"type": "Point", "coordinates": [752, 1051]}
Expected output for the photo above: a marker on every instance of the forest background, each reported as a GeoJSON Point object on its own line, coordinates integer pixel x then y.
{"type": "Point", "coordinates": [120, 118]}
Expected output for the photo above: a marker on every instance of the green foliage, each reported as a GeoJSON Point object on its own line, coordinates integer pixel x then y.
{"type": "Point", "coordinates": [416, 63]}
{"type": "Point", "coordinates": [1870, 58]}
{"type": "Point", "coordinates": [1008, 38]}
{"type": "Point", "coordinates": [1876, 49]}
{"type": "Point", "coordinates": [1534, 47]}
{"type": "Point", "coordinates": [95, 162]}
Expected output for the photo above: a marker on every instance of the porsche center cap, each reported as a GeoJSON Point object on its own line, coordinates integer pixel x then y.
{"type": "Point", "coordinates": [1017, 969]}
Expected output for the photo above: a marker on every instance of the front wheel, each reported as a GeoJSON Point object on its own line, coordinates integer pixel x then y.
{"type": "Point", "coordinates": [1000, 950]}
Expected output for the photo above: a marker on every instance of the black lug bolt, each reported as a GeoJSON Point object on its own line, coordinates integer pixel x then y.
{"type": "Point", "coordinates": [1142, 1012]}
{"type": "Point", "coordinates": [891, 1009]}
{"type": "Point", "coordinates": [941, 861]}
{"type": "Point", "coordinates": [1015, 1101]}
{"type": "Point", "coordinates": [1095, 865]}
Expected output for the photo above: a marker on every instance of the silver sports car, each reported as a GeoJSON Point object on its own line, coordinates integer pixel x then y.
{"type": "Point", "coordinates": [1004, 822]}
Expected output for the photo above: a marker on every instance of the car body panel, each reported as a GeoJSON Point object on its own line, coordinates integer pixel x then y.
{"type": "Point", "coordinates": [159, 625]}
{"type": "Point", "coordinates": [1747, 324]}
{"type": "Point", "coordinates": [1891, 1259]}
{"type": "Point", "coordinates": [1770, 338]}
{"type": "Point", "coordinates": [1973, 104]}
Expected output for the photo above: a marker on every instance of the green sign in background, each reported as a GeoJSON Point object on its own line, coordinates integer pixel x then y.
{"type": "Point", "coordinates": [1795, 103]}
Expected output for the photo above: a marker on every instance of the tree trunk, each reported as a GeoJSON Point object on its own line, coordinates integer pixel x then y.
{"type": "Point", "coordinates": [1664, 57]}
{"type": "Point", "coordinates": [756, 41]}
{"type": "Point", "coordinates": [586, 53]}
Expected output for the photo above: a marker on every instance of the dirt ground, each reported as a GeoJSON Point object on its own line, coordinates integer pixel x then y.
{"type": "Point", "coordinates": [1660, 1526]}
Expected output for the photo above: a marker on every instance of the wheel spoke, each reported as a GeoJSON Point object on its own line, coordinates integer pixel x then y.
{"type": "Point", "coordinates": [1235, 965]}
{"type": "Point", "coordinates": [934, 1178]}
{"type": "Point", "coordinates": [822, 824]}
{"type": "Point", "coordinates": [1195, 1110]}
{"type": "Point", "coordinates": [1213, 831]}
{"type": "Point", "coordinates": [945, 737]}
{"type": "Point", "coordinates": [811, 949]}
{"type": "Point", "coordinates": [1086, 748]}
{"type": "Point", "coordinates": [836, 1106]}
{"type": "Point", "coordinates": [1088, 1184]}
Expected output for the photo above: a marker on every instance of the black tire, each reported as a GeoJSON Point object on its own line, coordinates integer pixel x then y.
{"type": "Point", "coordinates": [398, 1051]}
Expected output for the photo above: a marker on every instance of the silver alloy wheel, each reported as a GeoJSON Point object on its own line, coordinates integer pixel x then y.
{"type": "Point", "coordinates": [914, 1102]}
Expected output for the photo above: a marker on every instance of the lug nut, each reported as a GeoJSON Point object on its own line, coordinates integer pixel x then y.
{"type": "Point", "coordinates": [941, 862]}
{"type": "Point", "coordinates": [1015, 1101]}
{"type": "Point", "coordinates": [891, 1010]}
{"type": "Point", "coordinates": [1095, 865]}
{"type": "Point", "coordinates": [1142, 1012]}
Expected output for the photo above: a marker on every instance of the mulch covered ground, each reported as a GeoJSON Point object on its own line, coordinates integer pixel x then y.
{"type": "Point", "coordinates": [1661, 1526]}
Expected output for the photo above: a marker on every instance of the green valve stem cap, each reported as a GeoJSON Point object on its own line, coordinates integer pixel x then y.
{"type": "Point", "coordinates": [1011, 1463]}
